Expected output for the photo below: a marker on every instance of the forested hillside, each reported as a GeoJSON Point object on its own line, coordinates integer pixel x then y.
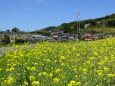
{"type": "Point", "coordinates": [99, 25]}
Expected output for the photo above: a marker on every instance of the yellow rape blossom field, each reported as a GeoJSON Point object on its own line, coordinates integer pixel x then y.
{"type": "Point", "coordinates": [90, 63]}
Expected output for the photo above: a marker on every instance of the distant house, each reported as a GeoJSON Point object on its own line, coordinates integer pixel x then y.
{"type": "Point", "coordinates": [64, 38]}
{"type": "Point", "coordinates": [14, 36]}
{"type": "Point", "coordinates": [51, 39]}
{"type": "Point", "coordinates": [97, 35]}
{"type": "Point", "coordinates": [56, 35]}
{"type": "Point", "coordinates": [88, 37]}
{"type": "Point", "coordinates": [25, 37]}
{"type": "Point", "coordinates": [71, 38]}
{"type": "Point", "coordinates": [61, 36]}
{"type": "Point", "coordinates": [38, 38]}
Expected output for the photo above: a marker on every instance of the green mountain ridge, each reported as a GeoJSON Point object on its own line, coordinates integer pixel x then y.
{"type": "Point", "coordinates": [98, 25]}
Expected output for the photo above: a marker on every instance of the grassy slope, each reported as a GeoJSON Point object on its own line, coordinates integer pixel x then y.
{"type": "Point", "coordinates": [99, 30]}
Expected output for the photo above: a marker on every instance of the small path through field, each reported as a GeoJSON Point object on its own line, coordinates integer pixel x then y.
{"type": "Point", "coordinates": [7, 49]}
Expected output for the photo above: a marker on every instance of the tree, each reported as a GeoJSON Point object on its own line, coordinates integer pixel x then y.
{"type": "Point", "coordinates": [19, 41]}
{"type": "Point", "coordinates": [7, 31]}
{"type": "Point", "coordinates": [15, 29]}
{"type": "Point", "coordinates": [6, 39]}
{"type": "Point", "coordinates": [49, 28]}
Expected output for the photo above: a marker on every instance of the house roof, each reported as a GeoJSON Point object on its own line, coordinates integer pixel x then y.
{"type": "Point", "coordinates": [87, 35]}
{"type": "Point", "coordinates": [11, 34]}
{"type": "Point", "coordinates": [38, 36]}
{"type": "Point", "coordinates": [64, 36]}
{"type": "Point", "coordinates": [93, 37]}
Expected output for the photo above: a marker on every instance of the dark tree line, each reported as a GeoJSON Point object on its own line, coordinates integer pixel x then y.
{"type": "Point", "coordinates": [6, 39]}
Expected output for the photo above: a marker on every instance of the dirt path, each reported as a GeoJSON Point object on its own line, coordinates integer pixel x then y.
{"type": "Point", "coordinates": [7, 49]}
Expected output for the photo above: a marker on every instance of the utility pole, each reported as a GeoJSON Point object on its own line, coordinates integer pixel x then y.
{"type": "Point", "coordinates": [78, 25]}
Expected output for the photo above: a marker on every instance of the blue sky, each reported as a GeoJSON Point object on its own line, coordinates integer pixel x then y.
{"type": "Point", "coordinates": [29, 15]}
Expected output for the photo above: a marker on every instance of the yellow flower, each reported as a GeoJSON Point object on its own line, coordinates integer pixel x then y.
{"type": "Point", "coordinates": [51, 74]}
{"type": "Point", "coordinates": [110, 75]}
{"type": "Point", "coordinates": [33, 68]}
{"type": "Point", "coordinates": [72, 82]}
{"type": "Point", "coordinates": [39, 74]}
{"type": "Point", "coordinates": [57, 70]}
{"type": "Point", "coordinates": [10, 80]}
{"type": "Point", "coordinates": [35, 63]}
{"type": "Point", "coordinates": [0, 69]}
{"type": "Point", "coordinates": [28, 68]}
{"type": "Point", "coordinates": [100, 74]}
{"type": "Point", "coordinates": [70, 85]}
{"type": "Point", "coordinates": [77, 54]}
{"type": "Point", "coordinates": [63, 64]}
{"type": "Point", "coordinates": [44, 73]}
{"type": "Point", "coordinates": [104, 78]}
{"type": "Point", "coordinates": [55, 80]}
{"type": "Point", "coordinates": [35, 83]}
{"type": "Point", "coordinates": [91, 58]}
{"type": "Point", "coordinates": [78, 83]}
{"type": "Point", "coordinates": [5, 81]}
{"type": "Point", "coordinates": [48, 60]}
{"type": "Point", "coordinates": [26, 83]}
{"type": "Point", "coordinates": [62, 57]}
{"type": "Point", "coordinates": [32, 77]}
{"type": "Point", "coordinates": [75, 69]}
{"type": "Point", "coordinates": [74, 48]}
{"type": "Point", "coordinates": [106, 69]}
{"type": "Point", "coordinates": [88, 62]}
{"type": "Point", "coordinates": [95, 53]}
{"type": "Point", "coordinates": [85, 70]}
{"type": "Point", "coordinates": [10, 70]}
{"type": "Point", "coordinates": [8, 64]}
